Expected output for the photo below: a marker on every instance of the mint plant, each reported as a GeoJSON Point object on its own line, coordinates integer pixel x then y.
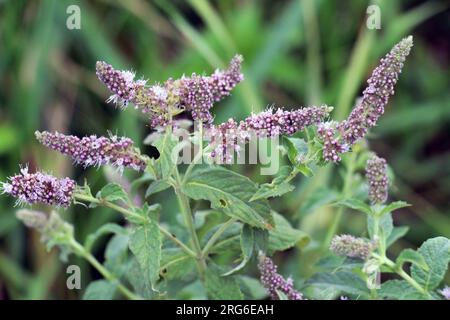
{"type": "Point", "coordinates": [214, 252]}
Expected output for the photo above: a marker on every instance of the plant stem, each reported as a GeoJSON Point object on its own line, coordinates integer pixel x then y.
{"type": "Point", "coordinates": [216, 236]}
{"type": "Point", "coordinates": [198, 156]}
{"type": "Point", "coordinates": [183, 202]}
{"type": "Point", "coordinates": [82, 252]}
{"type": "Point", "coordinates": [131, 214]}
{"type": "Point", "coordinates": [346, 192]}
{"type": "Point", "coordinates": [398, 270]}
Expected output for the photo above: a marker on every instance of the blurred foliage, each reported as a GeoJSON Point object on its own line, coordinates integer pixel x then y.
{"type": "Point", "coordinates": [296, 53]}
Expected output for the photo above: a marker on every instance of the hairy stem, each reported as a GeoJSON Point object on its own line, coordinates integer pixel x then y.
{"type": "Point", "coordinates": [82, 252]}
{"type": "Point", "coordinates": [131, 214]}
{"type": "Point", "coordinates": [346, 192]}
{"type": "Point", "coordinates": [183, 202]}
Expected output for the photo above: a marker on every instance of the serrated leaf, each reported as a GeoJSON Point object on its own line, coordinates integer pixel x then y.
{"type": "Point", "coordinates": [176, 264]}
{"type": "Point", "coordinates": [356, 204]}
{"type": "Point", "coordinates": [343, 281]}
{"type": "Point", "coordinates": [145, 243]}
{"type": "Point", "coordinates": [247, 246]}
{"type": "Point", "coordinates": [100, 290]}
{"type": "Point", "coordinates": [397, 233]}
{"type": "Point", "coordinates": [156, 186]}
{"type": "Point", "coordinates": [116, 254]}
{"type": "Point", "coordinates": [166, 163]}
{"type": "Point", "coordinates": [135, 276]}
{"type": "Point", "coordinates": [113, 192]}
{"type": "Point", "coordinates": [269, 190]}
{"type": "Point", "coordinates": [394, 206]}
{"type": "Point", "coordinates": [284, 236]}
{"type": "Point", "coordinates": [251, 287]}
{"type": "Point", "coordinates": [219, 287]}
{"type": "Point", "coordinates": [409, 255]}
{"type": "Point", "coordinates": [103, 230]}
{"type": "Point", "coordinates": [436, 253]}
{"type": "Point", "coordinates": [230, 192]}
{"type": "Point", "coordinates": [399, 290]}
{"type": "Point", "coordinates": [297, 151]}
{"type": "Point", "coordinates": [277, 187]}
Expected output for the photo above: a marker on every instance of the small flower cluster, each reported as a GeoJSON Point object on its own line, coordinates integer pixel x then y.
{"type": "Point", "coordinates": [274, 282]}
{"type": "Point", "coordinates": [272, 123]}
{"type": "Point", "coordinates": [40, 188]}
{"type": "Point", "coordinates": [377, 179]}
{"type": "Point", "coordinates": [350, 246]}
{"type": "Point", "coordinates": [199, 93]}
{"type": "Point", "coordinates": [445, 292]}
{"type": "Point", "coordinates": [95, 151]}
{"type": "Point", "coordinates": [339, 137]}
{"type": "Point", "coordinates": [196, 94]}
{"type": "Point", "coordinates": [228, 137]}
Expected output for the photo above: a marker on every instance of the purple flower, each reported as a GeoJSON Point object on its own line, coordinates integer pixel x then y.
{"type": "Point", "coordinates": [377, 179]}
{"type": "Point", "coordinates": [371, 106]}
{"type": "Point", "coordinates": [274, 123]}
{"type": "Point", "coordinates": [120, 83]}
{"type": "Point", "coordinates": [332, 146]}
{"type": "Point", "coordinates": [40, 188]}
{"type": "Point", "coordinates": [228, 137]}
{"type": "Point", "coordinates": [198, 93]}
{"type": "Point", "coordinates": [161, 102]}
{"type": "Point", "coordinates": [349, 246]}
{"type": "Point", "coordinates": [274, 282]}
{"type": "Point", "coordinates": [95, 151]}
{"type": "Point", "coordinates": [445, 292]}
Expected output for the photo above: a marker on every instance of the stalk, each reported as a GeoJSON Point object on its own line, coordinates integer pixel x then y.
{"type": "Point", "coordinates": [183, 202]}
{"type": "Point", "coordinates": [82, 252]}
{"type": "Point", "coordinates": [130, 214]}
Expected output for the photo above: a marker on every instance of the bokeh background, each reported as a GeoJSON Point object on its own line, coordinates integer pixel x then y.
{"type": "Point", "coordinates": [296, 53]}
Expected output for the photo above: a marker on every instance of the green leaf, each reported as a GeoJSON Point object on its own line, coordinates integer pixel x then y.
{"type": "Point", "coordinates": [252, 288]}
{"type": "Point", "coordinates": [343, 281]}
{"type": "Point", "coordinates": [394, 206]}
{"type": "Point", "coordinates": [436, 252]}
{"type": "Point", "coordinates": [100, 290]}
{"type": "Point", "coordinates": [247, 246]}
{"type": "Point", "coordinates": [409, 255]}
{"type": "Point", "coordinates": [297, 151]}
{"type": "Point", "coordinates": [219, 287]}
{"type": "Point", "coordinates": [156, 186]}
{"type": "Point", "coordinates": [284, 236]}
{"type": "Point", "coordinates": [281, 295]}
{"type": "Point", "coordinates": [397, 233]}
{"type": "Point", "coordinates": [176, 264]}
{"type": "Point", "coordinates": [320, 197]}
{"type": "Point", "coordinates": [145, 243]}
{"type": "Point", "coordinates": [103, 230]}
{"type": "Point", "coordinates": [277, 187]}
{"type": "Point", "coordinates": [113, 192]}
{"type": "Point", "coordinates": [399, 290]}
{"type": "Point", "coordinates": [135, 277]}
{"type": "Point", "coordinates": [230, 192]}
{"type": "Point", "coordinates": [116, 254]}
{"type": "Point", "coordinates": [166, 162]}
{"type": "Point", "coordinates": [356, 204]}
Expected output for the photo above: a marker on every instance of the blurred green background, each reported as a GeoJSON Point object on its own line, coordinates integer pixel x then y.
{"type": "Point", "coordinates": [296, 53]}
